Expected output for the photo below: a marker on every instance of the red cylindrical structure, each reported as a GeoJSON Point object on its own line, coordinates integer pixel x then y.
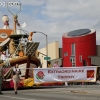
{"type": "Point", "coordinates": [77, 46]}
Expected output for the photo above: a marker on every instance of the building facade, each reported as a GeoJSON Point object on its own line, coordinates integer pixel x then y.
{"type": "Point", "coordinates": [95, 60]}
{"type": "Point", "coordinates": [77, 46]}
{"type": "Point", "coordinates": [53, 53]}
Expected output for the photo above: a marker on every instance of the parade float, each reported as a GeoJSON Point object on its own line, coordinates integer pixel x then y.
{"type": "Point", "coordinates": [18, 48]}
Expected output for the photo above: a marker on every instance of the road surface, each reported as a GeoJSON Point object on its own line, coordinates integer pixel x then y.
{"type": "Point", "coordinates": [79, 92]}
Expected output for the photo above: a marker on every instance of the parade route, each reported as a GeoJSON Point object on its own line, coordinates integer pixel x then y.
{"type": "Point", "coordinates": [61, 93]}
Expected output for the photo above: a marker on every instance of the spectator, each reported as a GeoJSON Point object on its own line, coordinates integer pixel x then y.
{"type": "Point", "coordinates": [1, 78]}
{"type": "Point", "coordinates": [56, 65]}
{"type": "Point", "coordinates": [3, 56]}
{"type": "Point", "coordinates": [49, 65]}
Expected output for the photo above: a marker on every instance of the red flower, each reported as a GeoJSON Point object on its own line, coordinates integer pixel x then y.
{"type": "Point", "coordinates": [40, 74]}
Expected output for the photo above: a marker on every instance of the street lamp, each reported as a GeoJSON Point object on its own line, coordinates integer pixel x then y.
{"type": "Point", "coordinates": [46, 42]}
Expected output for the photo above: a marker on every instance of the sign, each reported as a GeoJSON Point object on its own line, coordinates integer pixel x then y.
{"type": "Point", "coordinates": [75, 74]}
{"type": "Point", "coordinates": [47, 58]}
{"type": "Point", "coordinates": [3, 35]}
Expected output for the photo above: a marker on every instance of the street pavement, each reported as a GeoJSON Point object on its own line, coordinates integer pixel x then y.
{"type": "Point", "coordinates": [72, 92]}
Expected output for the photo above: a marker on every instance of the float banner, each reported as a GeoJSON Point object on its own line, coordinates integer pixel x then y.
{"type": "Point", "coordinates": [72, 74]}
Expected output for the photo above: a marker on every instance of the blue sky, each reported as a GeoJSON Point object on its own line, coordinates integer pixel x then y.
{"type": "Point", "coordinates": [55, 17]}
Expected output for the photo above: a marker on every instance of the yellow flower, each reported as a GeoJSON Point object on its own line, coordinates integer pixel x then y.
{"type": "Point", "coordinates": [28, 82]}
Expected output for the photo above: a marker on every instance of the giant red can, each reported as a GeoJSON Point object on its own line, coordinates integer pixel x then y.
{"type": "Point", "coordinates": [77, 46]}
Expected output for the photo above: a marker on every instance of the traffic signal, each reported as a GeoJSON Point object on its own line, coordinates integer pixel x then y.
{"type": "Point", "coordinates": [84, 63]}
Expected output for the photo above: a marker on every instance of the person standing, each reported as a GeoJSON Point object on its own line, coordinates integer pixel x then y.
{"type": "Point", "coordinates": [16, 77]}
{"type": "Point", "coordinates": [1, 79]}
{"type": "Point", "coordinates": [49, 65]}
{"type": "Point", "coordinates": [56, 65]}
{"type": "Point", "coordinates": [3, 56]}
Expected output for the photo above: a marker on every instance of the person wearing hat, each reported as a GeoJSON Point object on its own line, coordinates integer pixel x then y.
{"type": "Point", "coordinates": [1, 79]}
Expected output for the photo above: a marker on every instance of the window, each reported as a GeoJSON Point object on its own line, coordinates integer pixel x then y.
{"type": "Point", "coordinates": [80, 58]}
{"type": "Point", "coordinates": [73, 49]}
{"type": "Point", "coordinates": [70, 59]}
{"type": "Point", "coordinates": [73, 65]}
{"type": "Point", "coordinates": [84, 62]}
{"type": "Point", "coordinates": [66, 54]}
